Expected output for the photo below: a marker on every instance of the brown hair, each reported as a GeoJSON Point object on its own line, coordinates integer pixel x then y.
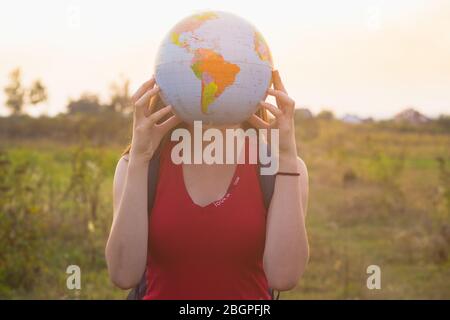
{"type": "Point", "coordinates": [156, 103]}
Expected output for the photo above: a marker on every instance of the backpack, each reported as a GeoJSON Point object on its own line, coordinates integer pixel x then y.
{"type": "Point", "coordinates": [267, 183]}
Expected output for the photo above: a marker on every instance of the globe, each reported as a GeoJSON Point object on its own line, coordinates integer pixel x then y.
{"type": "Point", "coordinates": [214, 67]}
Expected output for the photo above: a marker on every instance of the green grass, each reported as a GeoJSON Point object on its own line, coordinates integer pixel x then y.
{"type": "Point", "coordinates": [377, 196]}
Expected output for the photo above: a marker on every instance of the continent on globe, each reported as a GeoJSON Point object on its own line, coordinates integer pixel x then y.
{"type": "Point", "coordinates": [261, 47]}
{"type": "Point", "coordinates": [190, 24]}
{"type": "Point", "coordinates": [214, 72]}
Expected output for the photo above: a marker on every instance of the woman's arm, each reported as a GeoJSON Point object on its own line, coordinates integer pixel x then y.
{"type": "Point", "coordinates": [286, 252]}
{"type": "Point", "coordinates": [126, 250]}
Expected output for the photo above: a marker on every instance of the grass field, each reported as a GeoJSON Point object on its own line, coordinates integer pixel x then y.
{"type": "Point", "coordinates": [377, 196]}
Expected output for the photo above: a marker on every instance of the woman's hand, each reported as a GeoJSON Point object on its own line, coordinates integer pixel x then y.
{"type": "Point", "coordinates": [284, 117]}
{"type": "Point", "coordinates": [147, 133]}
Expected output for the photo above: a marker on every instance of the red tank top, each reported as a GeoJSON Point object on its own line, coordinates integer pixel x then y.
{"type": "Point", "coordinates": [212, 252]}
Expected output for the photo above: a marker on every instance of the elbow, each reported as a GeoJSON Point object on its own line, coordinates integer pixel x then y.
{"type": "Point", "coordinates": [122, 278]}
{"type": "Point", "coordinates": [120, 275]}
{"type": "Point", "coordinates": [285, 278]}
{"type": "Point", "coordinates": [122, 282]}
{"type": "Point", "coordinates": [283, 283]}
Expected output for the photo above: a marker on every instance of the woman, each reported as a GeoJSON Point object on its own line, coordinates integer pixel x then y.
{"type": "Point", "coordinates": [190, 247]}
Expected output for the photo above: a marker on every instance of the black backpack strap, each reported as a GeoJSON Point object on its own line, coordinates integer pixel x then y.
{"type": "Point", "coordinates": [152, 179]}
{"type": "Point", "coordinates": [138, 292]}
{"type": "Point", "coordinates": [267, 183]}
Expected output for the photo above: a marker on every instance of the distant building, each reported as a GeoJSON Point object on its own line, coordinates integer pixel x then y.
{"type": "Point", "coordinates": [303, 113]}
{"type": "Point", "coordinates": [411, 116]}
{"type": "Point", "coordinates": [351, 118]}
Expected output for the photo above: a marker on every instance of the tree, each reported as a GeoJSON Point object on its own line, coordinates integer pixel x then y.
{"type": "Point", "coordinates": [37, 93]}
{"type": "Point", "coordinates": [15, 93]}
{"type": "Point", "coordinates": [87, 103]}
{"type": "Point", "coordinates": [17, 96]}
{"type": "Point", "coordinates": [120, 96]}
{"type": "Point", "coordinates": [326, 115]}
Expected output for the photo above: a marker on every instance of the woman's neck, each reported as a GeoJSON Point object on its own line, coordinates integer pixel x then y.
{"type": "Point", "coordinates": [198, 132]}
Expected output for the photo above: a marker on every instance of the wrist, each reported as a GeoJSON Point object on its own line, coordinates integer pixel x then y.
{"type": "Point", "coordinates": [139, 155]}
{"type": "Point", "coordinates": [288, 152]}
{"type": "Point", "coordinates": [288, 146]}
{"type": "Point", "coordinates": [137, 161]}
{"type": "Point", "coordinates": [288, 162]}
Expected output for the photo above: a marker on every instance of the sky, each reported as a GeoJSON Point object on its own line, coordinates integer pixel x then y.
{"type": "Point", "coordinates": [364, 57]}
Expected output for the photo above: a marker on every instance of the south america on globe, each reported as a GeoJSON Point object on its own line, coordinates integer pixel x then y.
{"type": "Point", "coordinates": [215, 67]}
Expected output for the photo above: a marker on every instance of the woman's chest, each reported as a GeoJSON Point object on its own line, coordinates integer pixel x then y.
{"type": "Point", "coordinates": [231, 228]}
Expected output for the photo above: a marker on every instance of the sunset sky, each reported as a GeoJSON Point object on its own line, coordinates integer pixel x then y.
{"type": "Point", "coordinates": [370, 58]}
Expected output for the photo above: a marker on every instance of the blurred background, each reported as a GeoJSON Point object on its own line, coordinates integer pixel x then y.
{"type": "Point", "coordinates": [372, 85]}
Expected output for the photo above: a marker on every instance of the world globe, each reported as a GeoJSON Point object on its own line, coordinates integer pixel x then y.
{"type": "Point", "coordinates": [215, 67]}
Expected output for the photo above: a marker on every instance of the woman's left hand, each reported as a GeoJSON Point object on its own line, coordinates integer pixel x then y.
{"type": "Point", "coordinates": [284, 117]}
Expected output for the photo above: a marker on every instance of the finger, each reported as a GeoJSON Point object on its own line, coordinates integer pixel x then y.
{"type": "Point", "coordinates": [277, 83]}
{"type": "Point", "coordinates": [151, 105]}
{"type": "Point", "coordinates": [257, 122]}
{"type": "Point", "coordinates": [158, 115]}
{"type": "Point", "coordinates": [142, 89]}
{"type": "Point", "coordinates": [143, 103]}
{"type": "Point", "coordinates": [282, 98]}
{"type": "Point", "coordinates": [274, 110]}
{"type": "Point", "coordinates": [170, 123]}
{"type": "Point", "coordinates": [145, 99]}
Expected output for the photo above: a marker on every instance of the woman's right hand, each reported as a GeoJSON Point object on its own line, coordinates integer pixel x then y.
{"type": "Point", "coordinates": [147, 133]}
